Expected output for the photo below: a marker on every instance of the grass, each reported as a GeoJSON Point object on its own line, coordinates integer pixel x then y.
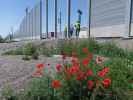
{"type": "Point", "coordinates": [105, 49]}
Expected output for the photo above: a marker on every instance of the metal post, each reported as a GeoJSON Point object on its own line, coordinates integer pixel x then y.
{"type": "Point", "coordinates": [89, 21]}
{"type": "Point", "coordinates": [69, 17]}
{"type": "Point", "coordinates": [60, 22]}
{"type": "Point", "coordinates": [26, 24]}
{"type": "Point", "coordinates": [40, 19]}
{"type": "Point", "coordinates": [47, 18]}
{"type": "Point", "coordinates": [32, 25]}
{"type": "Point", "coordinates": [55, 18]}
{"type": "Point", "coordinates": [12, 32]}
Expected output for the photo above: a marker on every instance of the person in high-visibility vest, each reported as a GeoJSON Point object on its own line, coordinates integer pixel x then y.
{"type": "Point", "coordinates": [77, 26]}
{"type": "Point", "coordinates": [65, 31]}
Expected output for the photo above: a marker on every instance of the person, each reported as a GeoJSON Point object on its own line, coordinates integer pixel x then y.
{"type": "Point", "coordinates": [65, 31]}
{"type": "Point", "coordinates": [77, 26]}
{"type": "Point", "coordinates": [71, 31]}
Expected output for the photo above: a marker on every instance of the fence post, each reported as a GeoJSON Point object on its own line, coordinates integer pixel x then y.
{"type": "Point", "coordinates": [89, 18]}
{"type": "Point", "coordinates": [55, 19]}
{"type": "Point", "coordinates": [69, 17]}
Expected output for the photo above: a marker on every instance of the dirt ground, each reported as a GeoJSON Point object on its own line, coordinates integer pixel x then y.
{"type": "Point", "coordinates": [16, 73]}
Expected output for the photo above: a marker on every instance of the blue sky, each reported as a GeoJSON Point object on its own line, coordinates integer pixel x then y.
{"type": "Point", "coordinates": [12, 12]}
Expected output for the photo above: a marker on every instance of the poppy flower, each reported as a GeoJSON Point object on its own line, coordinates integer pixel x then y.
{"type": "Point", "coordinates": [106, 82]}
{"type": "Point", "coordinates": [106, 70]}
{"type": "Point", "coordinates": [90, 84]}
{"type": "Point", "coordinates": [74, 69]}
{"type": "Point", "coordinates": [58, 67]}
{"type": "Point", "coordinates": [75, 61]}
{"type": "Point", "coordinates": [56, 84]}
{"type": "Point", "coordinates": [85, 62]}
{"type": "Point", "coordinates": [101, 74]}
{"type": "Point", "coordinates": [80, 76]}
{"type": "Point", "coordinates": [99, 60]}
{"type": "Point", "coordinates": [40, 66]}
{"type": "Point", "coordinates": [85, 50]}
{"type": "Point", "coordinates": [89, 73]}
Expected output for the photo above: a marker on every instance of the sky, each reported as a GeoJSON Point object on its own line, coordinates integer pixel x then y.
{"type": "Point", "coordinates": [13, 11]}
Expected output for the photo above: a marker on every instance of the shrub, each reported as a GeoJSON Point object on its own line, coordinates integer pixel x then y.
{"type": "Point", "coordinates": [29, 49]}
{"type": "Point", "coordinates": [35, 56]}
{"type": "Point", "coordinates": [45, 51]}
{"type": "Point", "coordinates": [25, 57]}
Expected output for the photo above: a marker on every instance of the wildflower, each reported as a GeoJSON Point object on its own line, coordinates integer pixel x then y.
{"type": "Point", "coordinates": [89, 73]}
{"type": "Point", "coordinates": [56, 84]}
{"type": "Point", "coordinates": [58, 67]}
{"type": "Point", "coordinates": [40, 66]}
{"type": "Point", "coordinates": [106, 70]}
{"type": "Point", "coordinates": [74, 69]}
{"type": "Point", "coordinates": [106, 82]}
{"type": "Point", "coordinates": [101, 74]}
{"type": "Point", "coordinates": [90, 84]}
{"type": "Point", "coordinates": [85, 50]}
{"type": "Point", "coordinates": [80, 76]}
{"type": "Point", "coordinates": [75, 61]}
{"type": "Point", "coordinates": [99, 60]}
{"type": "Point", "coordinates": [85, 62]}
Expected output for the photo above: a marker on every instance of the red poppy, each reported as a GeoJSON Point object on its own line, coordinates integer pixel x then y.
{"type": "Point", "coordinates": [85, 62]}
{"type": "Point", "coordinates": [101, 74]}
{"type": "Point", "coordinates": [106, 70]}
{"type": "Point", "coordinates": [90, 84]}
{"type": "Point", "coordinates": [40, 66]}
{"type": "Point", "coordinates": [58, 67]}
{"type": "Point", "coordinates": [80, 76]}
{"type": "Point", "coordinates": [89, 73]}
{"type": "Point", "coordinates": [74, 69]}
{"type": "Point", "coordinates": [56, 84]}
{"type": "Point", "coordinates": [106, 82]}
{"type": "Point", "coordinates": [85, 50]}
{"type": "Point", "coordinates": [75, 61]}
